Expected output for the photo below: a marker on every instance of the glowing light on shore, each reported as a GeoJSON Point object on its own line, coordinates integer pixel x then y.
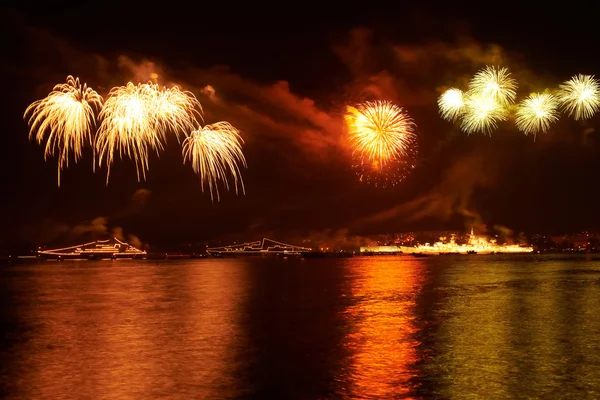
{"type": "Point", "coordinates": [580, 96]}
{"type": "Point", "coordinates": [475, 244]}
{"type": "Point", "coordinates": [67, 116]}
{"type": "Point", "coordinates": [536, 113]}
{"type": "Point", "coordinates": [136, 120]}
{"type": "Point", "coordinates": [451, 104]}
{"type": "Point", "coordinates": [215, 153]}
{"type": "Point", "coordinates": [482, 114]}
{"type": "Point", "coordinates": [494, 83]}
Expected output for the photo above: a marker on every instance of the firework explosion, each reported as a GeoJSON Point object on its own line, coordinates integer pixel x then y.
{"type": "Point", "coordinates": [451, 104]}
{"type": "Point", "coordinates": [490, 94]}
{"type": "Point", "coordinates": [536, 113]}
{"type": "Point", "coordinates": [383, 142]}
{"type": "Point", "coordinates": [395, 171]}
{"type": "Point", "coordinates": [494, 84]}
{"type": "Point", "coordinates": [67, 115]}
{"type": "Point", "coordinates": [580, 96]}
{"type": "Point", "coordinates": [136, 120]}
{"type": "Point", "coordinates": [215, 153]}
{"type": "Point", "coordinates": [482, 114]}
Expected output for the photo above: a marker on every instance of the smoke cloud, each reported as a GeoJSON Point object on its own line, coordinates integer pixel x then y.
{"type": "Point", "coordinates": [453, 196]}
{"type": "Point", "coordinates": [53, 232]}
{"type": "Point", "coordinates": [275, 118]}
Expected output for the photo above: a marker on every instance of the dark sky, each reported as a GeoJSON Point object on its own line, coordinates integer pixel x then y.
{"type": "Point", "coordinates": [283, 77]}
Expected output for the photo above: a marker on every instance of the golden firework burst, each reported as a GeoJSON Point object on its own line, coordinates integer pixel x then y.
{"type": "Point", "coordinates": [67, 116]}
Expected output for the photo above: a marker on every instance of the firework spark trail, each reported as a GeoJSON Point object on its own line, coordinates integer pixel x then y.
{"type": "Point", "coordinates": [536, 113]}
{"type": "Point", "coordinates": [178, 111]}
{"type": "Point", "coordinates": [215, 154]}
{"type": "Point", "coordinates": [136, 120]}
{"type": "Point", "coordinates": [383, 141]}
{"type": "Point", "coordinates": [451, 104]}
{"type": "Point", "coordinates": [494, 83]}
{"type": "Point", "coordinates": [395, 171]}
{"type": "Point", "coordinates": [67, 114]}
{"type": "Point", "coordinates": [580, 96]}
{"type": "Point", "coordinates": [482, 114]}
{"type": "Point", "coordinates": [380, 131]}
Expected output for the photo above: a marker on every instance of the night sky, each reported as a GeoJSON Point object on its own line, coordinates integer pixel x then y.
{"type": "Point", "coordinates": [283, 77]}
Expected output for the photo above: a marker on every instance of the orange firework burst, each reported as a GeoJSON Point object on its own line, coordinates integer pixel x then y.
{"type": "Point", "coordinates": [395, 170]}
{"type": "Point", "coordinates": [67, 115]}
{"type": "Point", "coordinates": [383, 140]}
{"type": "Point", "coordinates": [215, 152]}
{"type": "Point", "coordinates": [136, 119]}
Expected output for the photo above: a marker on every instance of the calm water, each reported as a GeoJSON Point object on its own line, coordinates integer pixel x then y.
{"type": "Point", "coordinates": [445, 327]}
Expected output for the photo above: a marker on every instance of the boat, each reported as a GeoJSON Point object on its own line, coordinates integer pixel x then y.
{"type": "Point", "coordinates": [97, 250]}
{"type": "Point", "coordinates": [449, 253]}
{"type": "Point", "coordinates": [288, 254]}
{"type": "Point", "coordinates": [259, 248]}
{"type": "Point", "coordinates": [420, 255]}
{"type": "Point", "coordinates": [471, 252]}
{"type": "Point", "coordinates": [381, 253]}
{"type": "Point", "coordinates": [199, 255]}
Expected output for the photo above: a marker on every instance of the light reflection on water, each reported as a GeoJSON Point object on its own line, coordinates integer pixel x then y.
{"type": "Point", "coordinates": [127, 330]}
{"type": "Point", "coordinates": [445, 327]}
{"type": "Point", "coordinates": [381, 340]}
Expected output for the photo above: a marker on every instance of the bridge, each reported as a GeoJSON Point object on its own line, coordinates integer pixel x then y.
{"type": "Point", "coordinates": [265, 246]}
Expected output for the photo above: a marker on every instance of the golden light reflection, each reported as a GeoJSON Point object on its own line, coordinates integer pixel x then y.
{"type": "Point", "coordinates": [518, 330]}
{"type": "Point", "coordinates": [382, 345]}
{"type": "Point", "coordinates": [473, 339]}
{"type": "Point", "coordinates": [130, 331]}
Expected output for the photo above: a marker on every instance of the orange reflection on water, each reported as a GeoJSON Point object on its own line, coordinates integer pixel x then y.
{"type": "Point", "coordinates": [381, 343]}
{"type": "Point", "coordinates": [129, 329]}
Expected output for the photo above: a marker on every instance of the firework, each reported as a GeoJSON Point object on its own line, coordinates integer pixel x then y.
{"type": "Point", "coordinates": [580, 96]}
{"type": "Point", "coordinates": [67, 115]}
{"type": "Point", "coordinates": [216, 155]}
{"type": "Point", "coordinates": [380, 131]}
{"type": "Point", "coordinates": [178, 111]}
{"type": "Point", "coordinates": [394, 171]}
{"type": "Point", "coordinates": [494, 83]}
{"type": "Point", "coordinates": [136, 120]}
{"type": "Point", "coordinates": [383, 141]}
{"type": "Point", "coordinates": [536, 113]}
{"type": "Point", "coordinates": [451, 104]}
{"type": "Point", "coordinates": [482, 114]}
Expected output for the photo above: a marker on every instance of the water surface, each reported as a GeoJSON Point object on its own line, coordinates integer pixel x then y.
{"type": "Point", "coordinates": [444, 327]}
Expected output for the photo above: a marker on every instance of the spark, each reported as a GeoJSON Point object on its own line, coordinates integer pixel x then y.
{"type": "Point", "coordinates": [482, 114]}
{"type": "Point", "coordinates": [216, 155]}
{"type": "Point", "coordinates": [394, 172]}
{"type": "Point", "coordinates": [67, 115]}
{"type": "Point", "coordinates": [580, 96]}
{"type": "Point", "coordinates": [451, 104]}
{"type": "Point", "coordinates": [380, 131]}
{"type": "Point", "coordinates": [383, 140]}
{"type": "Point", "coordinates": [177, 110]}
{"type": "Point", "coordinates": [136, 120]}
{"type": "Point", "coordinates": [536, 113]}
{"type": "Point", "coordinates": [494, 83]}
